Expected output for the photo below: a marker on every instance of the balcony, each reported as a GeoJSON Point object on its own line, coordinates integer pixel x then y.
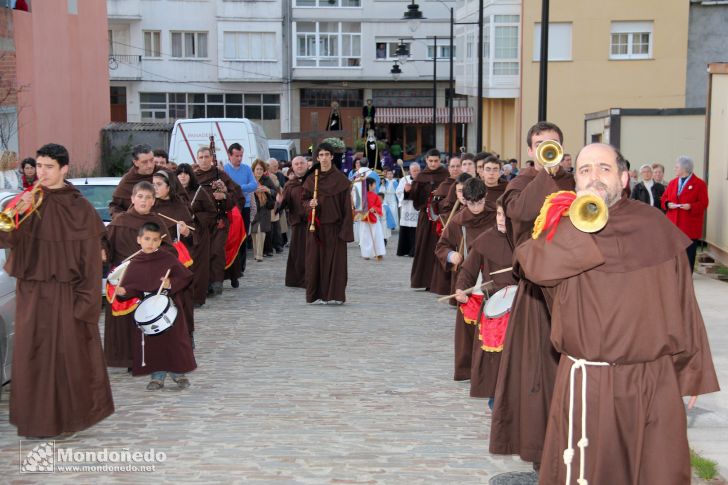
{"type": "Point", "coordinates": [123, 10]}
{"type": "Point", "coordinates": [125, 67]}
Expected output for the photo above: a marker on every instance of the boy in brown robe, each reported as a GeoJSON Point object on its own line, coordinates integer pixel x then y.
{"type": "Point", "coordinates": [490, 252]}
{"type": "Point", "coordinates": [443, 205]}
{"type": "Point", "coordinates": [170, 351]}
{"type": "Point", "coordinates": [120, 243]}
{"type": "Point", "coordinates": [452, 248]}
{"type": "Point", "coordinates": [326, 263]}
{"type": "Point", "coordinates": [60, 384]}
{"type": "Point", "coordinates": [528, 362]}
{"type": "Point", "coordinates": [426, 236]}
{"type": "Point", "coordinates": [291, 200]}
{"type": "Point", "coordinates": [220, 187]}
{"type": "Point", "coordinates": [627, 364]}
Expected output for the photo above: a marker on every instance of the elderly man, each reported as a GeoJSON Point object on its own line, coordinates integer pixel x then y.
{"type": "Point", "coordinates": [623, 368]}
{"type": "Point", "coordinates": [409, 215]}
{"type": "Point", "coordinates": [658, 173]}
{"type": "Point", "coordinates": [291, 200]}
{"type": "Point", "coordinates": [142, 170]}
{"type": "Point", "coordinates": [686, 199]}
{"type": "Point", "coordinates": [647, 190]}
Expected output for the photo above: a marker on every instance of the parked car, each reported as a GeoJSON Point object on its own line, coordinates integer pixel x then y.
{"type": "Point", "coordinates": [190, 134]}
{"type": "Point", "coordinates": [98, 191]}
{"type": "Point", "coordinates": [7, 305]}
{"type": "Point", "coordinates": [282, 150]}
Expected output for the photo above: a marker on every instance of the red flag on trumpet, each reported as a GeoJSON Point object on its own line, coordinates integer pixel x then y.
{"type": "Point", "coordinates": [183, 254]}
{"type": "Point", "coordinates": [554, 208]}
{"type": "Point", "coordinates": [236, 236]}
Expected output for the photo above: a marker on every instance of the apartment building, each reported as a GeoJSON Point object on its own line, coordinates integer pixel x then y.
{"type": "Point", "coordinates": [282, 63]}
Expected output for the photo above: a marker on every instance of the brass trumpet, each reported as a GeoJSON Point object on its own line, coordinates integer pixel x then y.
{"type": "Point", "coordinates": [11, 217]}
{"type": "Point", "coordinates": [589, 213]}
{"type": "Point", "coordinates": [549, 153]}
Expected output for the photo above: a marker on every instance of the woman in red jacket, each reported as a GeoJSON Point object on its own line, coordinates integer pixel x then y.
{"type": "Point", "coordinates": [686, 199]}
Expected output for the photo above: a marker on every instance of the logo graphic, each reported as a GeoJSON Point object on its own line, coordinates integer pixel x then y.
{"type": "Point", "coordinates": [40, 459]}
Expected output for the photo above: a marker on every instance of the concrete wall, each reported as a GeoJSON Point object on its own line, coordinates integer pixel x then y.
{"type": "Point", "coordinates": [591, 81]}
{"type": "Point", "coordinates": [499, 120]}
{"type": "Point", "coordinates": [716, 230]}
{"type": "Point", "coordinates": [706, 44]}
{"type": "Point", "coordinates": [62, 59]}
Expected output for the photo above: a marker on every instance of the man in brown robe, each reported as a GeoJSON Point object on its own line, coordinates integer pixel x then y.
{"type": "Point", "coordinates": [495, 186]}
{"type": "Point", "coordinates": [452, 248]}
{"type": "Point", "coordinates": [330, 198]}
{"type": "Point", "coordinates": [291, 200]}
{"type": "Point", "coordinates": [226, 194]}
{"type": "Point", "coordinates": [440, 282]}
{"type": "Point", "coordinates": [490, 252]}
{"type": "Point", "coordinates": [426, 236]}
{"type": "Point", "coordinates": [142, 170]}
{"type": "Point", "coordinates": [120, 243]}
{"type": "Point", "coordinates": [528, 362]}
{"type": "Point", "coordinates": [629, 363]}
{"type": "Point", "coordinates": [60, 384]}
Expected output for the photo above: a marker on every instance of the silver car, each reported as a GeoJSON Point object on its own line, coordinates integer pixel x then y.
{"type": "Point", "coordinates": [7, 305]}
{"type": "Point", "coordinates": [98, 191]}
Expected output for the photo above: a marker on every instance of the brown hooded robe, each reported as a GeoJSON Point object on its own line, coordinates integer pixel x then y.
{"type": "Point", "coordinates": [121, 198]}
{"type": "Point", "coordinates": [292, 202]}
{"type": "Point", "coordinates": [426, 236]}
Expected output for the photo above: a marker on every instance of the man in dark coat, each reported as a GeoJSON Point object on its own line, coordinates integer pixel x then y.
{"type": "Point", "coordinates": [648, 191]}
{"type": "Point", "coordinates": [60, 384]}
{"type": "Point", "coordinates": [327, 191]}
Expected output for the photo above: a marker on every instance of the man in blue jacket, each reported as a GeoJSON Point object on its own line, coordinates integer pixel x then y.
{"type": "Point", "coordinates": [243, 176]}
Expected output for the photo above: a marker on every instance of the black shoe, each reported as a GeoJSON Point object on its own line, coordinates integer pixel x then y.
{"type": "Point", "coordinates": [268, 255]}
{"type": "Point", "coordinates": [279, 250]}
{"type": "Point", "coordinates": [234, 282]}
{"type": "Point", "coordinates": [210, 291]}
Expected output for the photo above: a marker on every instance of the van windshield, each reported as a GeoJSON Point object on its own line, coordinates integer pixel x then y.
{"type": "Point", "coordinates": [280, 154]}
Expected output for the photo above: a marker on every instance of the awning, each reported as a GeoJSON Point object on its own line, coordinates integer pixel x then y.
{"type": "Point", "coordinates": [422, 115]}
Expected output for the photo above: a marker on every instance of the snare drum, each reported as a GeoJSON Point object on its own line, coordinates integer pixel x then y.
{"type": "Point", "coordinates": [155, 314]}
{"type": "Point", "coordinates": [494, 321]}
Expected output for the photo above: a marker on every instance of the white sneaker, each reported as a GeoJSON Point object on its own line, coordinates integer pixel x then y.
{"type": "Point", "coordinates": [318, 302]}
{"type": "Point", "coordinates": [335, 302]}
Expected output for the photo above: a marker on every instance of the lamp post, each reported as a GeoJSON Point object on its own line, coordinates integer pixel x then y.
{"type": "Point", "coordinates": [543, 61]}
{"type": "Point", "coordinates": [413, 16]}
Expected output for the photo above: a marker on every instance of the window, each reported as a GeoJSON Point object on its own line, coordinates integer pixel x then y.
{"type": "Point", "coordinates": [73, 7]}
{"type": "Point", "coordinates": [387, 49]}
{"type": "Point", "coordinates": [328, 3]}
{"type": "Point", "coordinates": [152, 44]}
{"type": "Point", "coordinates": [322, 98]}
{"type": "Point", "coordinates": [189, 45]}
{"type": "Point", "coordinates": [172, 106]}
{"type": "Point", "coordinates": [505, 45]}
{"type": "Point", "coordinates": [631, 40]}
{"type": "Point", "coordinates": [559, 42]}
{"type": "Point", "coordinates": [328, 44]}
{"type": "Point", "coordinates": [111, 42]}
{"type": "Point", "coordinates": [249, 46]}
{"type": "Point", "coordinates": [443, 51]}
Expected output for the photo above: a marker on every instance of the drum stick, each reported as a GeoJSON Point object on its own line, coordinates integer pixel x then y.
{"type": "Point", "coordinates": [163, 279]}
{"type": "Point", "coordinates": [467, 291]}
{"type": "Point", "coordinates": [470, 290]}
{"type": "Point", "coordinates": [121, 278]}
{"type": "Point", "coordinates": [174, 220]}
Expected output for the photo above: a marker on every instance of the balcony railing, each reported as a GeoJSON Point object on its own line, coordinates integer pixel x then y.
{"type": "Point", "coordinates": [125, 67]}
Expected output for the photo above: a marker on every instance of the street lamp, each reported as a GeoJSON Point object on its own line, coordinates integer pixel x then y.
{"type": "Point", "coordinates": [413, 16]}
{"type": "Point", "coordinates": [395, 71]}
{"type": "Point", "coordinates": [402, 53]}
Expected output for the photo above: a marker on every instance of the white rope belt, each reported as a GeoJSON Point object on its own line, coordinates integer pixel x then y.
{"type": "Point", "coordinates": [583, 442]}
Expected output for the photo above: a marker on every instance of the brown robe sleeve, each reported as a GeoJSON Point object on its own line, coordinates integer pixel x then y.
{"type": "Point", "coordinates": [449, 241]}
{"type": "Point", "coordinates": [570, 253]}
{"type": "Point", "coordinates": [524, 205]}
{"type": "Point", "coordinates": [471, 267]}
{"type": "Point", "coordinates": [419, 193]}
{"type": "Point", "coordinates": [694, 366]}
{"type": "Point", "coordinates": [121, 198]}
{"type": "Point", "coordinates": [86, 290]}
{"type": "Point", "coordinates": [347, 224]}
{"type": "Point", "coordinates": [234, 194]}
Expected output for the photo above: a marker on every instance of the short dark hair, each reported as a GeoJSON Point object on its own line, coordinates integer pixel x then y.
{"type": "Point", "coordinates": [27, 161]}
{"type": "Point", "coordinates": [161, 153]}
{"type": "Point", "coordinates": [463, 177]}
{"type": "Point", "coordinates": [530, 163]}
{"type": "Point", "coordinates": [370, 182]}
{"type": "Point", "coordinates": [363, 162]}
{"type": "Point", "coordinates": [139, 149]}
{"type": "Point", "coordinates": [540, 127]}
{"type": "Point", "coordinates": [482, 156]}
{"type": "Point", "coordinates": [467, 156]}
{"type": "Point", "coordinates": [324, 146]}
{"type": "Point", "coordinates": [492, 159]}
{"type": "Point", "coordinates": [143, 185]}
{"type": "Point", "coordinates": [149, 227]}
{"type": "Point", "coordinates": [234, 146]}
{"type": "Point", "coordinates": [473, 189]}
{"type": "Point", "coordinates": [55, 152]}
{"type": "Point", "coordinates": [432, 152]}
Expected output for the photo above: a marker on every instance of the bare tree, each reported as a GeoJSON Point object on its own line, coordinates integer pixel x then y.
{"type": "Point", "coordinates": [10, 107]}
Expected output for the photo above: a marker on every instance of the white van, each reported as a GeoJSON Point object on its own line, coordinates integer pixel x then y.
{"type": "Point", "coordinates": [282, 150]}
{"type": "Point", "coordinates": [189, 135]}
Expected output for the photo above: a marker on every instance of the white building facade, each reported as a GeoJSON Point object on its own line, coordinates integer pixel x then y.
{"type": "Point", "coordinates": [283, 63]}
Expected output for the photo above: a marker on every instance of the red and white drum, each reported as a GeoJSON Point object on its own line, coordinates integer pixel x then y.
{"type": "Point", "coordinates": [494, 321]}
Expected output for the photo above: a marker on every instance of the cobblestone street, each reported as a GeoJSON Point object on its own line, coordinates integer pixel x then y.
{"type": "Point", "coordinates": [292, 393]}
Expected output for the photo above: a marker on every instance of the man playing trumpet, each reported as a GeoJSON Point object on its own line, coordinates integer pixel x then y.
{"type": "Point", "coordinates": [623, 368]}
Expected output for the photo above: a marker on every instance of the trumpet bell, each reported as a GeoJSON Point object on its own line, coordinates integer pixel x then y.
{"type": "Point", "coordinates": [7, 222]}
{"type": "Point", "coordinates": [549, 153]}
{"type": "Point", "coordinates": [589, 213]}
